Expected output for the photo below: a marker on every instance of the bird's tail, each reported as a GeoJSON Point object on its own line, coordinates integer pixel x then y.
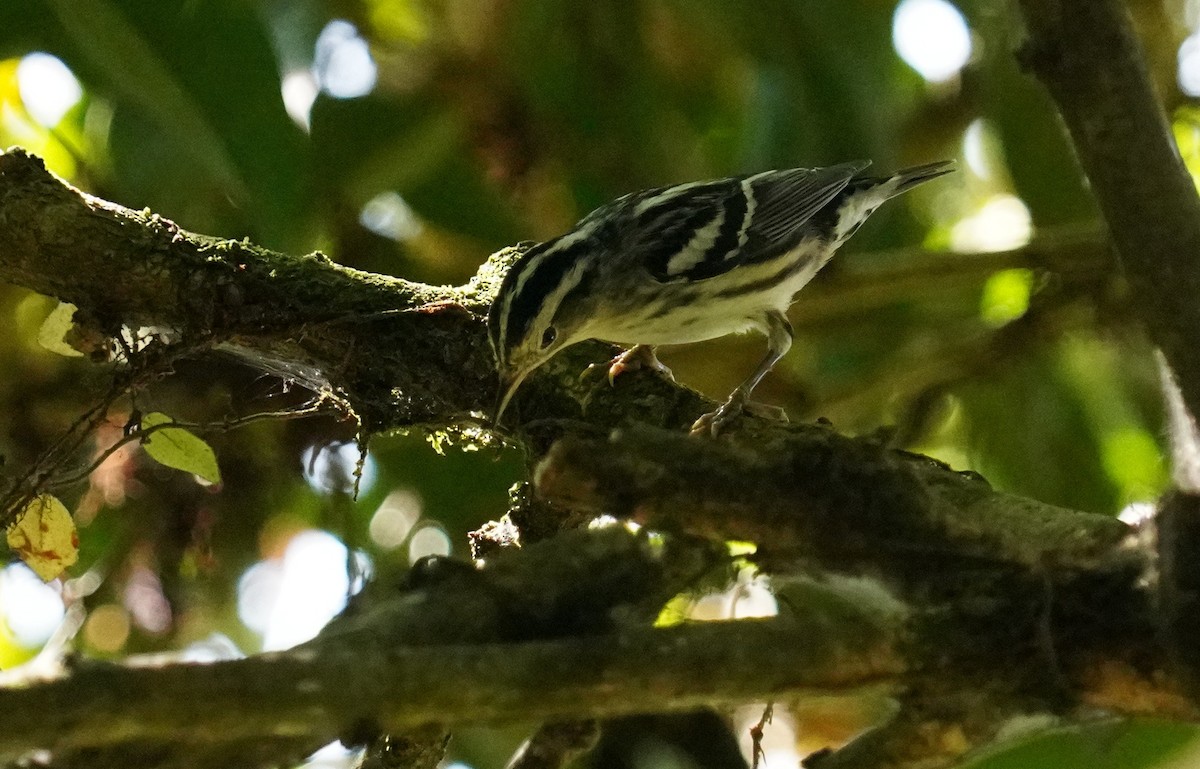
{"type": "Point", "coordinates": [908, 178]}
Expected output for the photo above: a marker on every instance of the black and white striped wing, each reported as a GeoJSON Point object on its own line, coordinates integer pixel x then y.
{"type": "Point", "coordinates": [697, 231]}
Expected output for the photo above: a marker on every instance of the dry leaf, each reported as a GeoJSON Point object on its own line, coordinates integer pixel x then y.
{"type": "Point", "coordinates": [45, 537]}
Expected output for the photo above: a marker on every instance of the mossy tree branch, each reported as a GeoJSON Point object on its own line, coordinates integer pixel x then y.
{"type": "Point", "coordinates": [404, 354]}
{"type": "Point", "coordinates": [544, 632]}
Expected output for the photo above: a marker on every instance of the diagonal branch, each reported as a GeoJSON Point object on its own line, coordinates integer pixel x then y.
{"type": "Point", "coordinates": [1086, 54]}
{"type": "Point", "coordinates": [401, 353]}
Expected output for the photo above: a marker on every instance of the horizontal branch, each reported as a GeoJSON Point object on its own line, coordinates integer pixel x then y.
{"type": "Point", "coordinates": [530, 636]}
{"type": "Point", "coordinates": [401, 353]}
{"type": "Point", "coordinates": [304, 315]}
{"type": "Point", "coordinates": [335, 692]}
{"type": "Point", "coordinates": [811, 491]}
{"type": "Point", "coordinates": [517, 641]}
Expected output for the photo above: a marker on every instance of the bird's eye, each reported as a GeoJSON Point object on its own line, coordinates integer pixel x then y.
{"type": "Point", "coordinates": [548, 336]}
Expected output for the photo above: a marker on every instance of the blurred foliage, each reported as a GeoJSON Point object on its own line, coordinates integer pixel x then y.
{"type": "Point", "coordinates": [1103, 746]}
{"type": "Point", "coordinates": [494, 121]}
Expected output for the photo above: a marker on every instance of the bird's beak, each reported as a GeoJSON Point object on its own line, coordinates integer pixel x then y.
{"type": "Point", "coordinates": [509, 382]}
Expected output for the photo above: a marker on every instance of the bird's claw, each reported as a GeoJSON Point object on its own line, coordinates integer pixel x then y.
{"type": "Point", "coordinates": [637, 357]}
{"type": "Point", "coordinates": [714, 423]}
{"type": "Point", "coordinates": [765, 411]}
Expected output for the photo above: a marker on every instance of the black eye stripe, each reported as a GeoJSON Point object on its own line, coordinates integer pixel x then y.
{"type": "Point", "coordinates": [547, 274]}
{"type": "Point", "coordinates": [497, 317]}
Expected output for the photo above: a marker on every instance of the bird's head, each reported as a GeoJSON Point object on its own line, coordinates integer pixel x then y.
{"type": "Point", "coordinates": [541, 309]}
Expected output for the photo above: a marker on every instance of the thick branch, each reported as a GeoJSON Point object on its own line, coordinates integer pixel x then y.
{"type": "Point", "coordinates": [810, 491]}
{"type": "Point", "coordinates": [332, 693]}
{"type": "Point", "coordinates": [982, 650]}
{"type": "Point", "coordinates": [1086, 54]}
{"type": "Point", "coordinates": [395, 349]}
{"type": "Point", "coordinates": [530, 636]}
{"type": "Point", "coordinates": [309, 316]}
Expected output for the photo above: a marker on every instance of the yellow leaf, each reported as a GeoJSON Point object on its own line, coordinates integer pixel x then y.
{"type": "Point", "coordinates": [54, 330]}
{"type": "Point", "coordinates": [176, 447]}
{"type": "Point", "coordinates": [45, 537]}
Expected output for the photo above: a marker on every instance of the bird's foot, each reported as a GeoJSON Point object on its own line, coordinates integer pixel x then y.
{"type": "Point", "coordinates": [715, 422]}
{"type": "Point", "coordinates": [637, 357]}
{"type": "Point", "coordinates": [765, 411]}
{"type": "Point", "coordinates": [712, 423]}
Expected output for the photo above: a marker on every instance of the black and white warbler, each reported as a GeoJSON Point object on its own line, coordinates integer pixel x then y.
{"type": "Point", "coordinates": [683, 264]}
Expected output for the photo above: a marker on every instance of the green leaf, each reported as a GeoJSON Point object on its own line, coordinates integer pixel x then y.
{"type": "Point", "coordinates": [176, 447]}
{"type": "Point", "coordinates": [54, 330]}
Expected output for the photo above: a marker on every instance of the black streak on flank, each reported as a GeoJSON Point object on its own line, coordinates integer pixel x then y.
{"type": "Point", "coordinates": [547, 275]}
{"type": "Point", "coordinates": [671, 303]}
{"type": "Point", "coordinates": [790, 268]}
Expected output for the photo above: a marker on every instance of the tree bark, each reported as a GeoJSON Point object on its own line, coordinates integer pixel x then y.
{"type": "Point", "coordinates": [1086, 54]}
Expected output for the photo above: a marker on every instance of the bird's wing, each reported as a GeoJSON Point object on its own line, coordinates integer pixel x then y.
{"type": "Point", "coordinates": [701, 230]}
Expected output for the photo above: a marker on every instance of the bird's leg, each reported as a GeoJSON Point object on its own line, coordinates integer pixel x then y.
{"type": "Point", "coordinates": [637, 357]}
{"type": "Point", "coordinates": [779, 340]}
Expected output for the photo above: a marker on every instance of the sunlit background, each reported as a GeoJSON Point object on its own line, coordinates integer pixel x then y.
{"type": "Point", "coordinates": [415, 137]}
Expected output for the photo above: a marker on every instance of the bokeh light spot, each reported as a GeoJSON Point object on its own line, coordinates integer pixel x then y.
{"type": "Point", "coordinates": [389, 215]}
{"type": "Point", "coordinates": [1188, 69]}
{"type": "Point", "coordinates": [146, 603]}
{"type": "Point", "coordinates": [932, 37]}
{"type": "Point", "coordinates": [48, 88]}
{"type": "Point", "coordinates": [107, 628]}
{"type": "Point", "coordinates": [30, 608]}
{"type": "Point", "coordinates": [395, 518]}
{"type": "Point", "coordinates": [330, 468]}
{"type": "Point", "coordinates": [1137, 513]}
{"type": "Point", "coordinates": [299, 90]}
{"type": "Point", "coordinates": [335, 755]}
{"type": "Point", "coordinates": [981, 148]}
{"type": "Point", "coordinates": [428, 540]}
{"type": "Point", "coordinates": [1006, 296]}
{"type": "Point", "coordinates": [342, 62]}
{"type": "Point", "coordinates": [257, 590]}
{"type": "Point", "coordinates": [290, 599]}
{"type": "Point", "coordinates": [1133, 460]}
{"type": "Point", "coordinates": [1002, 223]}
